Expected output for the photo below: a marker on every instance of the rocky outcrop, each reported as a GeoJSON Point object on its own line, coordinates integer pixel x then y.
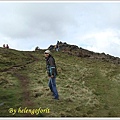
{"type": "Point", "coordinates": [80, 52]}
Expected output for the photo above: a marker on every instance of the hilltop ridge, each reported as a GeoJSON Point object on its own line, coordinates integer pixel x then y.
{"type": "Point", "coordinates": [74, 50]}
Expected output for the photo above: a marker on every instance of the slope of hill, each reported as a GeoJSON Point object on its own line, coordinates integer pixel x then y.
{"type": "Point", "coordinates": [87, 87]}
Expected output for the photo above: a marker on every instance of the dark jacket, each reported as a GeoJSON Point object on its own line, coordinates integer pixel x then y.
{"type": "Point", "coordinates": [51, 66]}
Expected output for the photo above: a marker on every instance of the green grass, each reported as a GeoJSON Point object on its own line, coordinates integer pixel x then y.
{"type": "Point", "coordinates": [87, 87]}
{"type": "Point", "coordinates": [10, 94]}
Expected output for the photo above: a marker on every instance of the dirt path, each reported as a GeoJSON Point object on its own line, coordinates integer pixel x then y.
{"type": "Point", "coordinates": [24, 83]}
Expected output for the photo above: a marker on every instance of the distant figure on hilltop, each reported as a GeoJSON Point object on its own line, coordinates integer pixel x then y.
{"type": "Point", "coordinates": [3, 45]}
{"type": "Point", "coordinates": [7, 46]}
{"type": "Point", "coordinates": [57, 46]}
{"type": "Point", "coordinates": [58, 42]}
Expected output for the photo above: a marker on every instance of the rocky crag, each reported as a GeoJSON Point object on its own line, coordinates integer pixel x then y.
{"type": "Point", "coordinates": [81, 52]}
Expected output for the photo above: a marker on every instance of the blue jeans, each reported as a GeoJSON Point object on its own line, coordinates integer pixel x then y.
{"type": "Point", "coordinates": [52, 86]}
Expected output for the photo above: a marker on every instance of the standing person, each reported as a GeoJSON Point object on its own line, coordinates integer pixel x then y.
{"type": "Point", "coordinates": [3, 45]}
{"type": "Point", "coordinates": [7, 46]}
{"type": "Point", "coordinates": [52, 72]}
{"type": "Point", "coordinates": [57, 48]}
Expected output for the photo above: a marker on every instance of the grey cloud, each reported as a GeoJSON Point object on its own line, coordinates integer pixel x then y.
{"type": "Point", "coordinates": [26, 20]}
{"type": "Point", "coordinates": [29, 20]}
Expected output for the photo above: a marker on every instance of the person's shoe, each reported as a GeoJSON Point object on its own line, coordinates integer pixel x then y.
{"type": "Point", "coordinates": [56, 98]}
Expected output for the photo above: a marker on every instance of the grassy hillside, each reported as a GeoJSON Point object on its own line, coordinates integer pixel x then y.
{"type": "Point", "coordinates": [87, 87]}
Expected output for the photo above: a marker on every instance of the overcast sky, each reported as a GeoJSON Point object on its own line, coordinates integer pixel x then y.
{"type": "Point", "coordinates": [91, 25]}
